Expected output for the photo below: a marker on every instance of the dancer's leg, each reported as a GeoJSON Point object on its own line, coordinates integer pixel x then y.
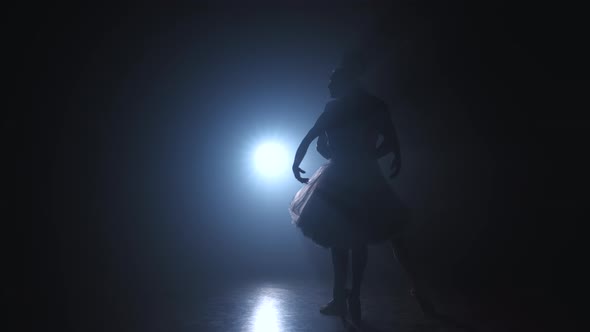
{"type": "Point", "coordinates": [340, 265]}
{"type": "Point", "coordinates": [359, 262]}
{"type": "Point", "coordinates": [337, 306]}
{"type": "Point", "coordinates": [400, 251]}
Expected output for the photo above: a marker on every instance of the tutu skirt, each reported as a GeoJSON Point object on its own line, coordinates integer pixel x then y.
{"type": "Point", "coordinates": [347, 204]}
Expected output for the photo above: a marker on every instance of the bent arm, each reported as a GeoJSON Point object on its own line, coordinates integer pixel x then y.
{"type": "Point", "coordinates": [322, 146]}
{"type": "Point", "coordinates": [390, 139]}
{"type": "Point", "coordinates": [318, 129]}
{"type": "Point", "coordinates": [304, 145]}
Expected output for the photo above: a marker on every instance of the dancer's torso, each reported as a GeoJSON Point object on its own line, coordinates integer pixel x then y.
{"type": "Point", "coordinates": [353, 126]}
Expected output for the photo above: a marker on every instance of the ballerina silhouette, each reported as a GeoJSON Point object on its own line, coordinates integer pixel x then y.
{"type": "Point", "coordinates": [347, 204]}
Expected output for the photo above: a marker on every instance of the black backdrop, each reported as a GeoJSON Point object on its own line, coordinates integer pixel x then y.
{"type": "Point", "coordinates": [494, 92]}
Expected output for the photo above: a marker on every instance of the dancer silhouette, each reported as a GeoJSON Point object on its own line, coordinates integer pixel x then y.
{"type": "Point", "coordinates": [347, 203]}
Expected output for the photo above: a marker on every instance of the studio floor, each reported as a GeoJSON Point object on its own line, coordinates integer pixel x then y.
{"type": "Point", "coordinates": [291, 306]}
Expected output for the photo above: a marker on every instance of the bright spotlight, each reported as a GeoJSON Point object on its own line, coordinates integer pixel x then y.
{"type": "Point", "coordinates": [271, 159]}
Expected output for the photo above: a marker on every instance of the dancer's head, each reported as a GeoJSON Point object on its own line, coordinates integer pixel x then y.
{"type": "Point", "coordinates": [346, 78]}
{"type": "Point", "coordinates": [342, 82]}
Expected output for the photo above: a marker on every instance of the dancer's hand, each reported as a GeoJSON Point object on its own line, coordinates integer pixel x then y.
{"type": "Point", "coordinates": [297, 172]}
{"type": "Point", "coordinates": [396, 165]}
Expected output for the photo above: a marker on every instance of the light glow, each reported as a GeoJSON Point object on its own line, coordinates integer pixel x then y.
{"type": "Point", "coordinates": [271, 159]}
{"type": "Point", "coordinates": [266, 317]}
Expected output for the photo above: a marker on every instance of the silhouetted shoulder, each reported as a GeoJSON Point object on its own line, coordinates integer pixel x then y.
{"type": "Point", "coordinates": [375, 108]}
{"type": "Point", "coordinates": [332, 106]}
{"type": "Point", "coordinates": [375, 103]}
{"type": "Point", "coordinates": [330, 110]}
{"type": "Point", "coordinates": [326, 118]}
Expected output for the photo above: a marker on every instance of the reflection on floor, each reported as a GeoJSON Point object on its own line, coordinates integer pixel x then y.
{"type": "Point", "coordinates": [293, 306]}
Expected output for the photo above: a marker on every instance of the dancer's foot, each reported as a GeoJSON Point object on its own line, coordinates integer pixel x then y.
{"type": "Point", "coordinates": [425, 304]}
{"type": "Point", "coordinates": [334, 308]}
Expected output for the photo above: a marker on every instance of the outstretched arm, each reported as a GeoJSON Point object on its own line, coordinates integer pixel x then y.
{"type": "Point", "coordinates": [315, 131]}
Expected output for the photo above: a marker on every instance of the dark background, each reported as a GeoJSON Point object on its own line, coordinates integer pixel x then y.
{"type": "Point", "coordinates": [144, 116]}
